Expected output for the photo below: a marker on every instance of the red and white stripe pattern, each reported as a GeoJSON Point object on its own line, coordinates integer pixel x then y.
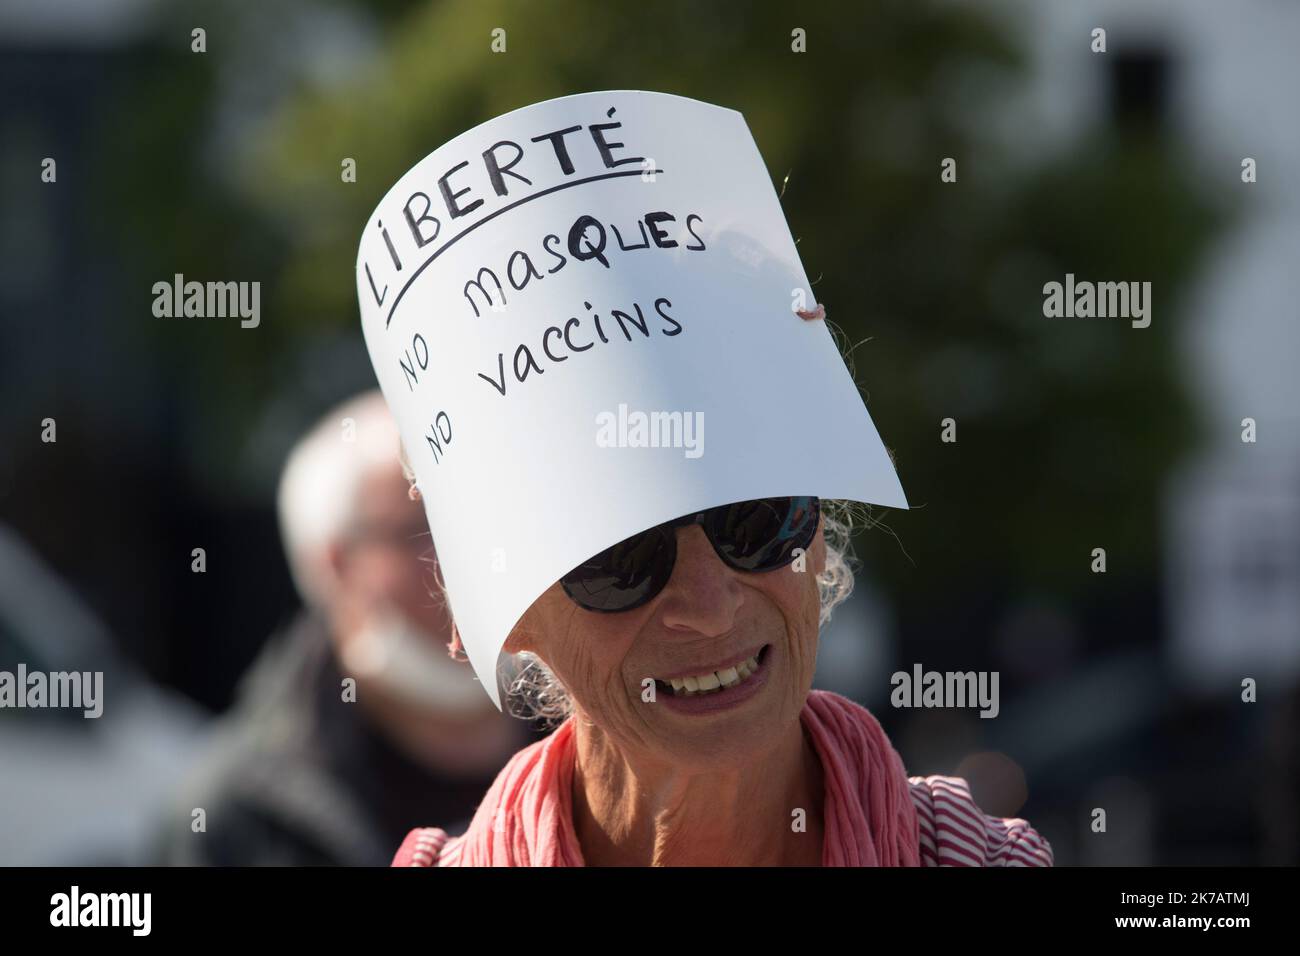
{"type": "Point", "coordinates": [954, 832]}
{"type": "Point", "coordinates": [422, 847]}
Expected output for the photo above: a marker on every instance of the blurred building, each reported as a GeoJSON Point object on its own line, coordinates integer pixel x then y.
{"type": "Point", "coordinates": [1220, 79]}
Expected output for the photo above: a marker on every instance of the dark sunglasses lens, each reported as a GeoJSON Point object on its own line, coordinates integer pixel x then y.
{"type": "Point", "coordinates": [625, 576]}
{"type": "Point", "coordinates": [762, 535]}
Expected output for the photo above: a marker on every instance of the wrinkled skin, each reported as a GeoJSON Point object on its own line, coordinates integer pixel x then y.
{"type": "Point", "coordinates": [657, 787]}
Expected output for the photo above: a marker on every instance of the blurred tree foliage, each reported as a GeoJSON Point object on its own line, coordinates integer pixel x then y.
{"type": "Point", "coordinates": [1065, 427]}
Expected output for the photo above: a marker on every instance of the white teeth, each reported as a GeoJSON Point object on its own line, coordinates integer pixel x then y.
{"type": "Point", "coordinates": [715, 680]}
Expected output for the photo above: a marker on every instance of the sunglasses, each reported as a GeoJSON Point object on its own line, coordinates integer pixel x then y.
{"type": "Point", "coordinates": [754, 536]}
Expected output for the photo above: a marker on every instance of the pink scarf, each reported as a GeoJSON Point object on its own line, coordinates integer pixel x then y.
{"type": "Point", "coordinates": [526, 818]}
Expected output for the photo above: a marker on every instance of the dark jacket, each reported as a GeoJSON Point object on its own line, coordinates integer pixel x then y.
{"type": "Point", "coordinates": [296, 776]}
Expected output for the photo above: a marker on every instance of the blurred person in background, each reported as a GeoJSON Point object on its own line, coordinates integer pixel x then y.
{"type": "Point", "coordinates": [304, 771]}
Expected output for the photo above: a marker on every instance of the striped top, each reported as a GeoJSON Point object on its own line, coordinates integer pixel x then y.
{"type": "Point", "coordinates": [953, 832]}
{"type": "Point", "coordinates": [956, 832]}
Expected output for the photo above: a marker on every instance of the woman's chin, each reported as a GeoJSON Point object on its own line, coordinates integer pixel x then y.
{"type": "Point", "coordinates": [712, 738]}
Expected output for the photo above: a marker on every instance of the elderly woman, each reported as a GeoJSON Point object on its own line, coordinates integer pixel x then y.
{"type": "Point", "coordinates": [681, 664]}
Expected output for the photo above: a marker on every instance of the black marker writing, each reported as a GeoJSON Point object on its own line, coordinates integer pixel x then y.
{"type": "Point", "coordinates": [587, 241]}
{"type": "Point", "coordinates": [524, 362]}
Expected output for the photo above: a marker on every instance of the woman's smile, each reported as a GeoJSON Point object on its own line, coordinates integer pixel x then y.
{"type": "Point", "coordinates": [716, 690]}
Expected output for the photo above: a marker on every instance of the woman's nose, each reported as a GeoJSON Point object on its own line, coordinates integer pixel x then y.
{"type": "Point", "coordinates": [703, 596]}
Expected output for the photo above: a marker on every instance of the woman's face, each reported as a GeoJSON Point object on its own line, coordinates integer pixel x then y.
{"type": "Point", "coordinates": [707, 616]}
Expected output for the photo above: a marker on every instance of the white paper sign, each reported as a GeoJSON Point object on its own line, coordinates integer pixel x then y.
{"type": "Point", "coordinates": [534, 291]}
